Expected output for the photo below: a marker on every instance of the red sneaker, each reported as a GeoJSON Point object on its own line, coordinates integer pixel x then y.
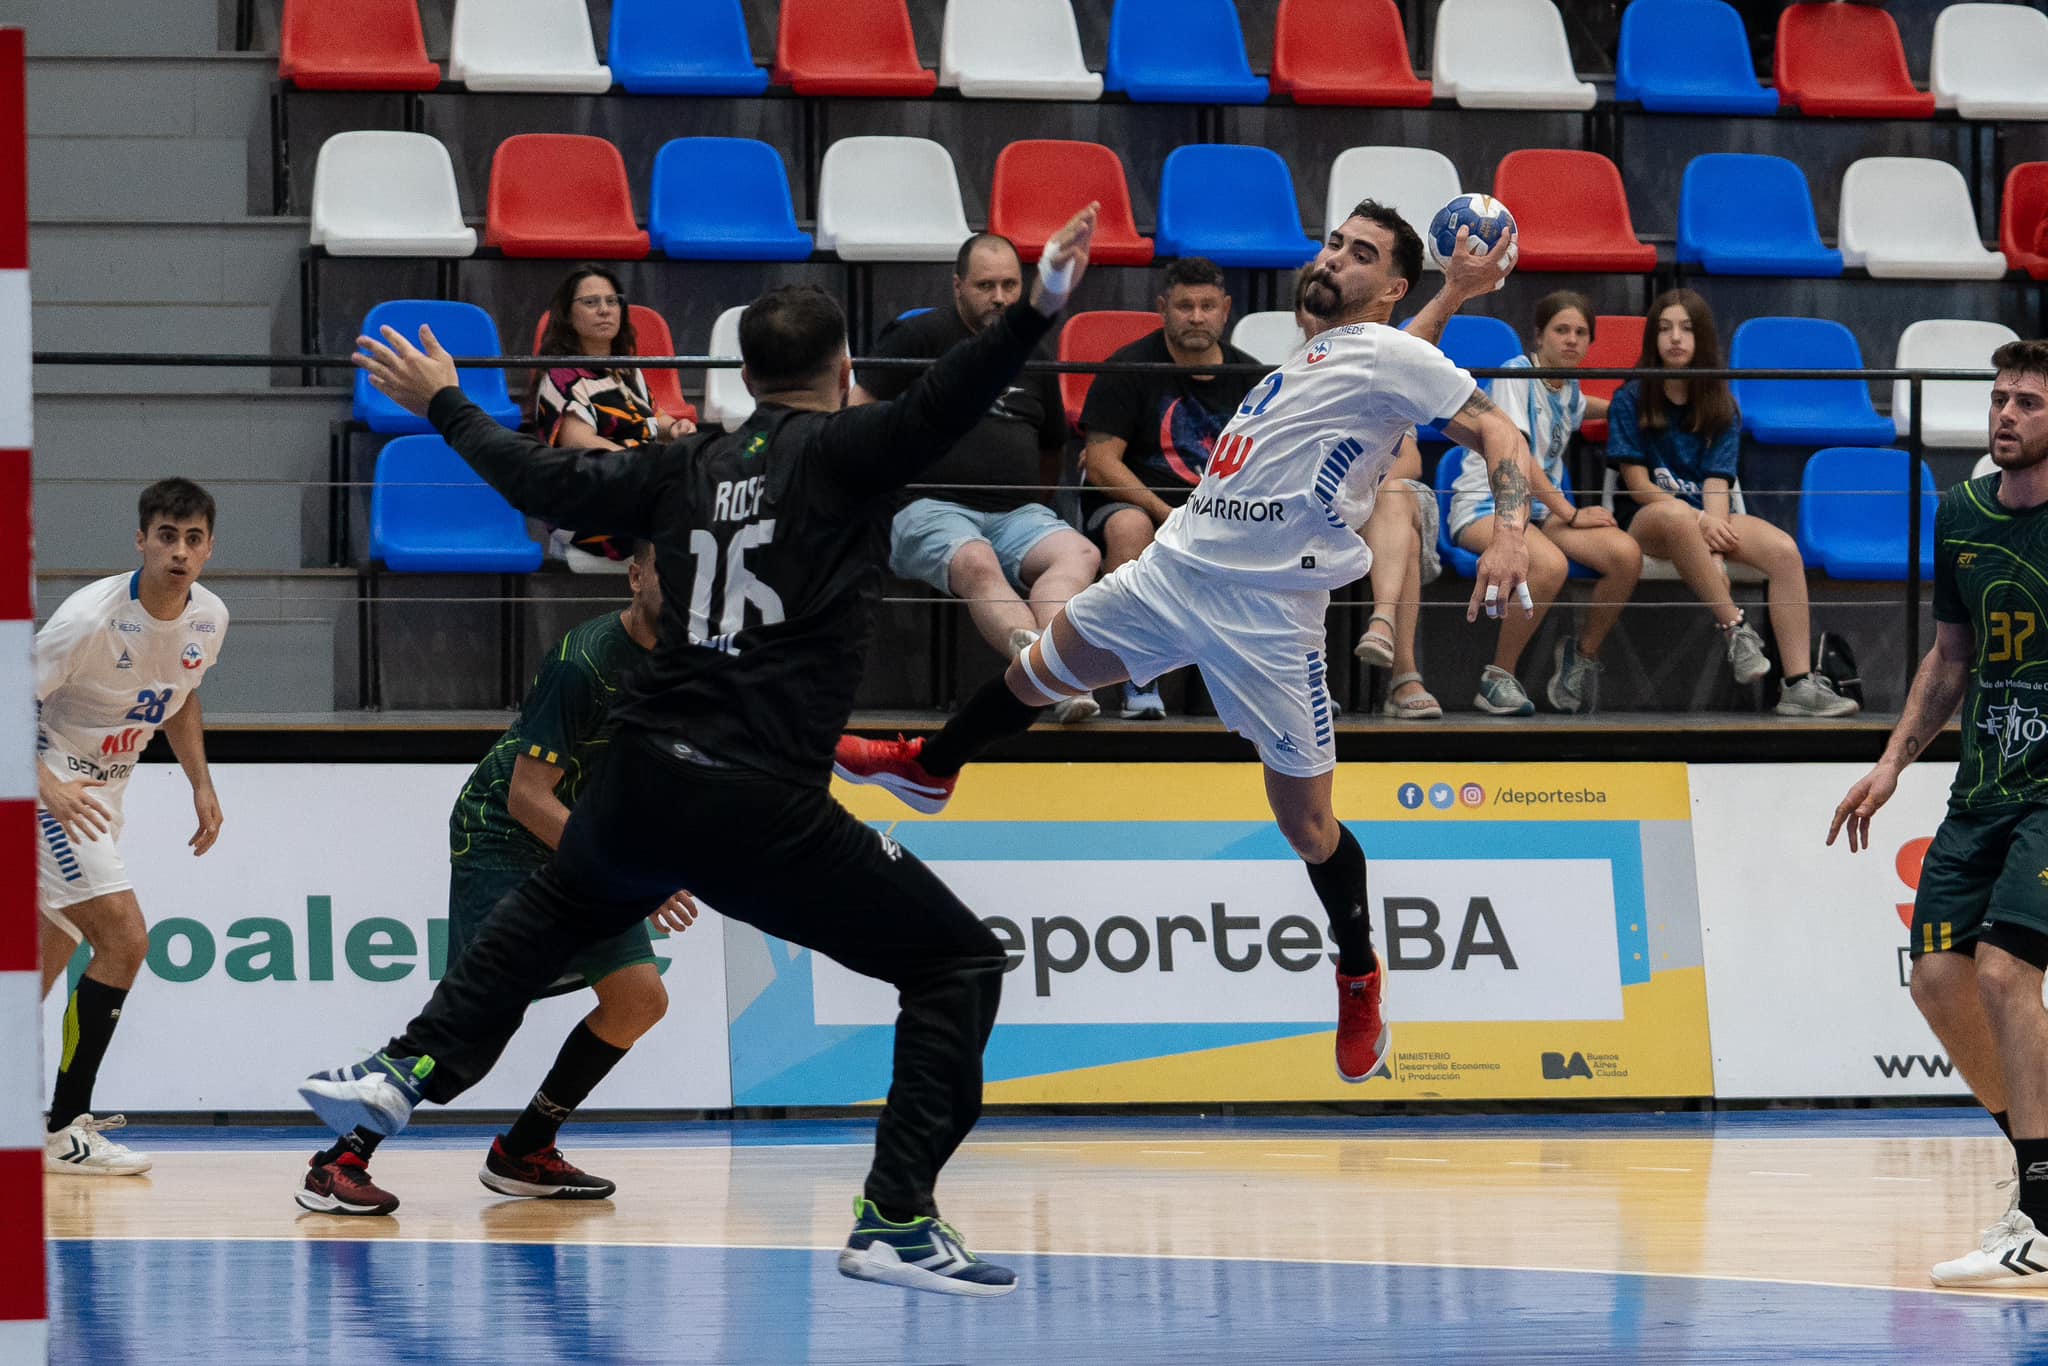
{"type": "Point", "coordinates": [545, 1175]}
{"type": "Point", "coordinates": [895, 765]}
{"type": "Point", "coordinates": [343, 1186]}
{"type": "Point", "coordinates": [1362, 1036]}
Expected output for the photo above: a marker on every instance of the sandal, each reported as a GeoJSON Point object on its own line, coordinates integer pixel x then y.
{"type": "Point", "coordinates": [1376, 649]}
{"type": "Point", "coordinates": [1419, 706]}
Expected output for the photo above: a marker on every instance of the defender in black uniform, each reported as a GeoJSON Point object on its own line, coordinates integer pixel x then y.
{"type": "Point", "coordinates": [1980, 921]}
{"type": "Point", "coordinates": [769, 542]}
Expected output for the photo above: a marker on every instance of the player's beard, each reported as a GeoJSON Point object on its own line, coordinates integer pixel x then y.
{"type": "Point", "coordinates": [2021, 455]}
{"type": "Point", "coordinates": [1321, 299]}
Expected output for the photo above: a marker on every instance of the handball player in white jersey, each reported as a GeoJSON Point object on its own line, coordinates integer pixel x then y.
{"type": "Point", "coordinates": [1238, 581]}
{"type": "Point", "coordinates": [117, 661]}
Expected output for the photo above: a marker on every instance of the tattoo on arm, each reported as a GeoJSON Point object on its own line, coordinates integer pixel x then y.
{"type": "Point", "coordinates": [1510, 488]}
{"type": "Point", "coordinates": [1478, 405]}
{"type": "Point", "coordinates": [1912, 747]}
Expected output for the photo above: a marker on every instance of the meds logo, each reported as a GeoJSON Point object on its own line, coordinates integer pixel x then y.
{"type": "Point", "coordinates": [1409, 795]}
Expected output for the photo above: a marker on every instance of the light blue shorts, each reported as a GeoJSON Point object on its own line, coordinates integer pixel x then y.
{"type": "Point", "coordinates": [928, 533]}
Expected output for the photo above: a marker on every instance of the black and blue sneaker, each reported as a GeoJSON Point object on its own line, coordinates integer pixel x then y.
{"type": "Point", "coordinates": [920, 1254]}
{"type": "Point", "coordinates": [377, 1094]}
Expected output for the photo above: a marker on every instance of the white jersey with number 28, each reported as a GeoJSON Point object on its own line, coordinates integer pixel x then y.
{"type": "Point", "coordinates": [1296, 471]}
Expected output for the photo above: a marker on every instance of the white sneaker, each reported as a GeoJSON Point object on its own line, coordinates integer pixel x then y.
{"type": "Point", "coordinates": [2012, 1251]}
{"type": "Point", "coordinates": [1021, 640]}
{"type": "Point", "coordinates": [81, 1147]}
{"type": "Point", "coordinates": [1815, 695]}
{"type": "Point", "coordinates": [1069, 710]}
{"type": "Point", "coordinates": [1746, 657]}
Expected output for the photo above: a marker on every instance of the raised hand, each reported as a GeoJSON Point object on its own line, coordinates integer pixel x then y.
{"type": "Point", "coordinates": [408, 375]}
{"type": "Point", "coordinates": [1064, 262]}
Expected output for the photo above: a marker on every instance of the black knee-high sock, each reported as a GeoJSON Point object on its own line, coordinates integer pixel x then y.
{"type": "Point", "coordinates": [1339, 881]}
{"type": "Point", "coordinates": [89, 1022]}
{"type": "Point", "coordinates": [2004, 1122]}
{"type": "Point", "coordinates": [362, 1143]}
{"type": "Point", "coordinates": [992, 714]}
{"type": "Point", "coordinates": [580, 1066]}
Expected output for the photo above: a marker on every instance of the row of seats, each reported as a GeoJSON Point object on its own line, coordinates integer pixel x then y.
{"type": "Point", "coordinates": [1680, 56]}
{"type": "Point", "coordinates": [898, 199]}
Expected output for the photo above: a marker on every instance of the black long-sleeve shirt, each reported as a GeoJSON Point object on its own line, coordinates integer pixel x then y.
{"type": "Point", "coordinates": [769, 543]}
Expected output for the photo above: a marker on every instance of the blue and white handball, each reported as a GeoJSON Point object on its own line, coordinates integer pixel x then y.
{"type": "Point", "coordinates": [1487, 219]}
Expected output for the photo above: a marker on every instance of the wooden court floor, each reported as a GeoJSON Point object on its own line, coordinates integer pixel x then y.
{"type": "Point", "coordinates": [1762, 1237]}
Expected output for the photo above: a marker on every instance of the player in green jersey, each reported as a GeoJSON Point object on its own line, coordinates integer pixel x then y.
{"type": "Point", "coordinates": [505, 825]}
{"type": "Point", "coordinates": [1980, 922]}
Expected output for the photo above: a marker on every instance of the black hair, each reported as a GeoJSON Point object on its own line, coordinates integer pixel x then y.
{"type": "Point", "coordinates": [2022, 358]}
{"type": "Point", "coordinates": [174, 500]}
{"type": "Point", "coordinates": [791, 335]}
{"type": "Point", "coordinates": [1193, 271]}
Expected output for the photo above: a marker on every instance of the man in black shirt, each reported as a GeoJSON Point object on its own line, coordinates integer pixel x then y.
{"type": "Point", "coordinates": [769, 542]}
{"type": "Point", "coordinates": [983, 532]}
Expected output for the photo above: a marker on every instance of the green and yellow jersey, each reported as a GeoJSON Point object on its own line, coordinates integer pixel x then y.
{"type": "Point", "coordinates": [1991, 574]}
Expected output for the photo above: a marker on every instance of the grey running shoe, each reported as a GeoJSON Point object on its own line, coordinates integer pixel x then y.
{"type": "Point", "coordinates": [1143, 704]}
{"type": "Point", "coordinates": [1815, 695]}
{"type": "Point", "coordinates": [1501, 695]}
{"type": "Point", "coordinates": [1575, 681]}
{"type": "Point", "coordinates": [1746, 653]}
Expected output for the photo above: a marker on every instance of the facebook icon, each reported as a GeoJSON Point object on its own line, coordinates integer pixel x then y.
{"type": "Point", "coordinates": [1410, 795]}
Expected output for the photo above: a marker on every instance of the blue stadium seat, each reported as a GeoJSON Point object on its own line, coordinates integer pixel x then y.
{"type": "Point", "coordinates": [1791, 412]}
{"type": "Point", "coordinates": [723, 199]}
{"type": "Point", "coordinates": [1180, 52]}
{"type": "Point", "coordinates": [1473, 341]}
{"type": "Point", "coordinates": [1852, 514]}
{"type": "Point", "coordinates": [465, 330]}
{"type": "Point", "coordinates": [1457, 559]}
{"type": "Point", "coordinates": [1750, 215]}
{"type": "Point", "coordinates": [683, 47]}
{"type": "Point", "coordinates": [1234, 205]}
{"type": "Point", "coordinates": [430, 514]}
{"type": "Point", "coordinates": [1688, 57]}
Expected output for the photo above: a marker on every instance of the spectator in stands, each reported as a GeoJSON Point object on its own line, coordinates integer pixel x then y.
{"type": "Point", "coordinates": [1676, 442]}
{"type": "Point", "coordinates": [1149, 436]}
{"type": "Point", "coordinates": [985, 533]}
{"type": "Point", "coordinates": [603, 406]}
{"type": "Point", "coordinates": [1549, 412]}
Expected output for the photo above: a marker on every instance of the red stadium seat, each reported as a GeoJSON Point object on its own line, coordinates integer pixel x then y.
{"type": "Point", "coordinates": [561, 195]}
{"type": "Point", "coordinates": [849, 47]}
{"type": "Point", "coordinates": [1041, 182]}
{"type": "Point", "coordinates": [365, 45]}
{"type": "Point", "coordinates": [1846, 61]}
{"type": "Point", "coordinates": [2023, 221]}
{"type": "Point", "coordinates": [1345, 52]}
{"type": "Point", "coordinates": [1570, 212]}
{"type": "Point", "coordinates": [1094, 336]}
{"type": "Point", "coordinates": [650, 338]}
{"type": "Point", "coordinates": [1617, 340]}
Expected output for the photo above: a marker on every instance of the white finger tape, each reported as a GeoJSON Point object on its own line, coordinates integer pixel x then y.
{"type": "Point", "coordinates": [1057, 279]}
{"type": "Point", "coordinates": [1522, 596]}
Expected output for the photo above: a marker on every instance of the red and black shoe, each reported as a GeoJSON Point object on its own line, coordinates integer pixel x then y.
{"type": "Point", "coordinates": [896, 765]}
{"type": "Point", "coordinates": [545, 1175]}
{"type": "Point", "coordinates": [1363, 1038]}
{"type": "Point", "coordinates": [343, 1186]}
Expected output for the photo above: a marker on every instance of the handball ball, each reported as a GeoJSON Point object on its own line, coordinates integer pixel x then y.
{"type": "Point", "coordinates": [1487, 219]}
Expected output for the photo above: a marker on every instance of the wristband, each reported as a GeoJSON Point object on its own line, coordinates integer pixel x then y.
{"type": "Point", "coordinates": [1056, 279]}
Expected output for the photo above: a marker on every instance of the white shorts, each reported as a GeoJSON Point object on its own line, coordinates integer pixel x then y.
{"type": "Point", "coordinates": [1260, 650]}
{"type": "Point", "coordinates": [69, 871]}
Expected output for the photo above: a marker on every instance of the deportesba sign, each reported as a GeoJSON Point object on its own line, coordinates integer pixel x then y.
{"type": "Point", "coordinates": [1243, 941]}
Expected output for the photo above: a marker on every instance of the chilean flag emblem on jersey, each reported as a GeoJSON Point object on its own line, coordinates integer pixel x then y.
{"type": "Point", "coordinates": [1320, 351]}
{"type": "Point", "coordinates": [193, 656]}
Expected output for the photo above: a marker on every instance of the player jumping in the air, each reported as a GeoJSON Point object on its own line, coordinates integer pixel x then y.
{"type": "Point", "coordinates": [117, 661]}
{"type": "Point", "coordinates": [1238, 580]}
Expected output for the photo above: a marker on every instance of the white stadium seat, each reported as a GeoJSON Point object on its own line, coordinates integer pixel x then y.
{"type": "Point", "coordinates": [1910, 218]}
{"type": "Point", "coordinates": [890, 199]}
{"type": "Point", "coordinates": [1991, 62]}
{"type": "Point", "coordinates": [1269, 337]}
{"type": "Point", "coordinates": [387, 194]}
{"type": "Point", "coordinates": [726, 400]}
{"type": "Point", "coordinates": [1506, 54]}
{"type": "Point", "coordinates": [1014, 50]}
{"type": "Point", "coordinates": [1413, 181]}
{"type": "Point", "coordinates": [1986, 464]}
{"type": "Point", "coordinates": [1958, 411]}
{"type": "Point", "coordinates": [542, 46]}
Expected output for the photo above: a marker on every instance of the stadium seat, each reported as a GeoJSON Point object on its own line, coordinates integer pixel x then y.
{"type": "Point", "coordinates": [1095, 336]}
{"type": "Point", "coordinates": [1269, 337]}
{"type": "Point", "coordinates": [1460, 561]}
{"type": "Point", "coordinates": [1750, 215]}
{"type": "Point", "coordinates": [723, 199]}
{"type": "Point", "coordinates": [849, 47]}
{"type": "Point", "coordinates": [890, 199]}
{"type": "Point", "coordinates": [525, 45]}
{"type": "Point", "coordinates": [1014, 50]}
{"type": "Point", "coordinates": [1617, 342]}
{"type": "Point", "coordinates": [1352, 52]}
{"type": "Point", "coordinates": [1413, 181]}
{"type": "Point", "coordinates": [1845, 61]}
{"type": "Point", "coordinates": [1688, 57]}
{"type": "Point", "coordinates": [430, 514]}
{"type": "Point", "coordinates": [1180, 52]}
{"type": "Point", "coordinates": [387, 194]}
{"type": "Point", "coordinates": [651, 337]}
{"type": "Point", "coordinates": [1804, 412]}
{"type": "Point", "coordinates": [726, 400]}
{"type": "Point", "coordinates": [465, 330]}
{"type": "Point", "coordinates": [2023, 219]}
{"type": "Point", "coordinates": [1989, 62]}
{"type": "Point", "coordinates": [1957, 412]}
{"type": "Point", "coordinates": [1039, 184]}
{"type": "Point", "coordinates": [682, 47]}
{"type": "Point", "coordinates": [1234, 205]}
{"type": "Point", "coordinates": [1473, 342]}
{"type": "Point", "coordinates": [368, 45]}
{"type": "Point", "coordinates": [1506, 54]}
{"type": "Point", "coordinates": [562, 195]}
{"type": "Point", "coordinates": [1571, 212]}
{"type": "Point", "coordinates": [1853, 514]}
{"type": "Point", "coordinates": [1912, 218]}
{"type": "Point", "coordinates": [1986, 464]}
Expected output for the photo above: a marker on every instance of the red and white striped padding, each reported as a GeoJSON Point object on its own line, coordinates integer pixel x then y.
{"type": "Point", "coordinates": [24, 1332]}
